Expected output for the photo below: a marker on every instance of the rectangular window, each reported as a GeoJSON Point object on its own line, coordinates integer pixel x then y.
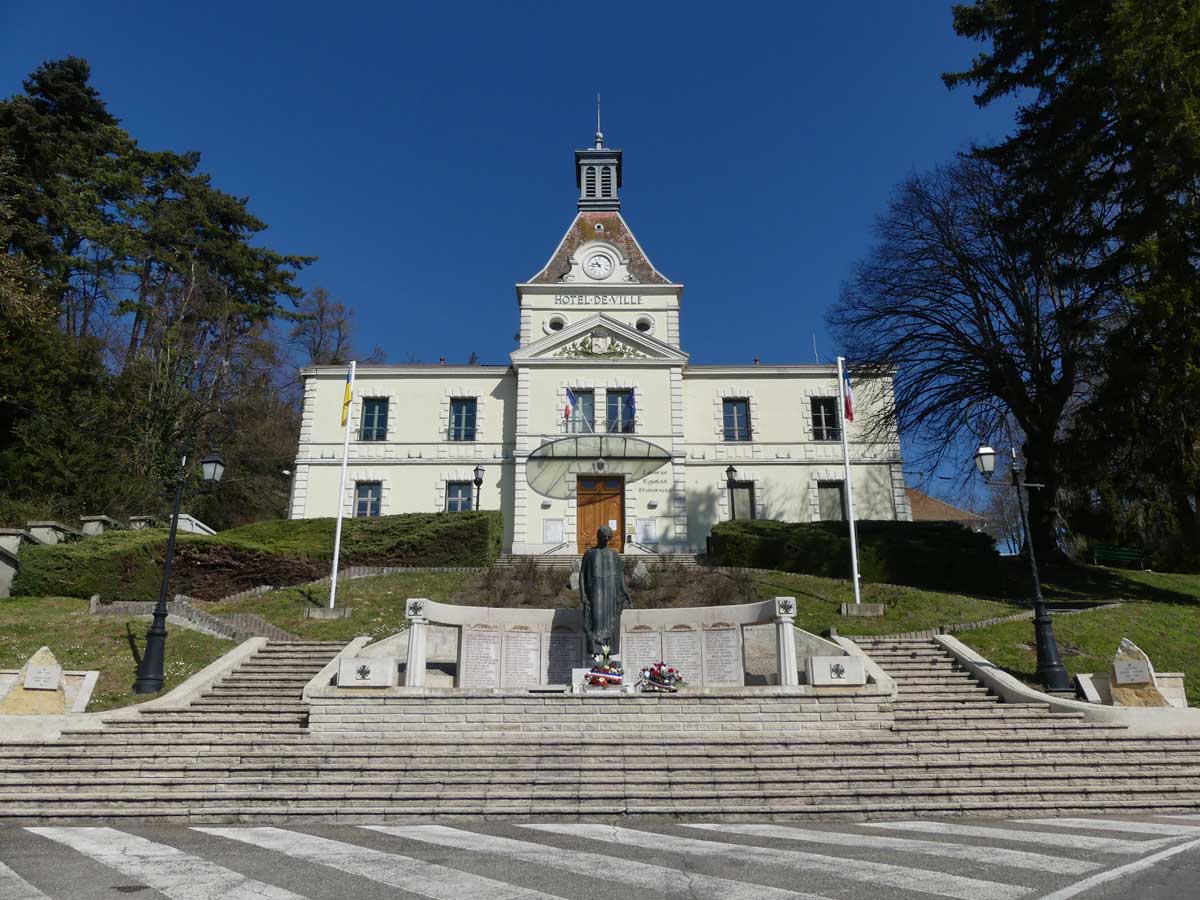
{"type": "Point", "coordinates": [366, 498]}
{"type": "Point", "coordinates": [374, 419]}
{"type": "Point", "coordinates": [462, 419]}
{"type": "Point", "coordinates": [826, 425]}
{"type": "Point", "coordinates": [737, 419]}
{"type": "Point", "coordinates": [743, 500]}
{"type": "Point", "coordinates": [831, 499]}
{"type": "Point", "coordinates": [458, 496]}
{"type": "Point", "coordinates": [583, 419]}
{"type": "Point", "coordinates": [620, 412]}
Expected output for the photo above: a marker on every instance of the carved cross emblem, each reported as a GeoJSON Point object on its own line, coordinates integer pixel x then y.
{"type": "Point", "coordinates": [786, 606]}
{"type": "Point", "coordinates": [837, 670]}
{"type": "Point", "coordinates": [415, 608]}
{"type": "Point", "coordinates": [362, 673]}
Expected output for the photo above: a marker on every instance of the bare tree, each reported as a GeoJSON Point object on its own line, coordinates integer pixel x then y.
{"type": "Point", "coordinates": [324, 330]}
{"type": "Point", "coordinates": [975, 327]}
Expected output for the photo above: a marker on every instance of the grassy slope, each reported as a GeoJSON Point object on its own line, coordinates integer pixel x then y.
{"type": "Point", "coordinates": [1170, 634]}
{"type": "Point", "coordinates": [377, 604]}
{"type": "Point", "coordinates": [83, 641]}
{"type": "Point", "coordinates": [1165, 621]}
{"type": "Point", "coordinates": [1161, 615]}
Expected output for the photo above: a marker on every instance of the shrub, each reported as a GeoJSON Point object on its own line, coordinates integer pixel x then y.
{"type": "Point", "coordinates": [936, 555]}
{"type": "Point", "coordinates": [127, 565]}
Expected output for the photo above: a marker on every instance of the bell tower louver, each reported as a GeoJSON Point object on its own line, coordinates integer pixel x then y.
{"type": "Point", "coordinates": [598, 176]}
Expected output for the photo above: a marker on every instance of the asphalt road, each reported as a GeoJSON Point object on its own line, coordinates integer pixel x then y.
{"type": "Point", "coordinates": [1052, 859]}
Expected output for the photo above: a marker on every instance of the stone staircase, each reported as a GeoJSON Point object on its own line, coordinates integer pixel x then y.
{"type": "Point", "coordinates": [242, 752]}
{"type": "Point", "coordinates": [1001, 756]}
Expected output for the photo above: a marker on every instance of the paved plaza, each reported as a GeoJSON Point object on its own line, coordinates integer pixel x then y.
{"type": "Point", "coordinates": [1051, 859]}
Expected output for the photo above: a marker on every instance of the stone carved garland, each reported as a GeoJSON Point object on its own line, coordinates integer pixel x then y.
{"type": "Point", "coordinates": [598, 346]}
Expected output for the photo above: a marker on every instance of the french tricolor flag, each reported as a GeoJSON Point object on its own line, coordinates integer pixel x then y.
{"type": "Point", "coordinates": [571, 404]}
{"type": "Point", "coordinates": [849, 395]}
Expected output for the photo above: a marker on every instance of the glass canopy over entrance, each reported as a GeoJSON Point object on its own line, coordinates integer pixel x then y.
{"type": "Point", "coordinates": [552, 467]}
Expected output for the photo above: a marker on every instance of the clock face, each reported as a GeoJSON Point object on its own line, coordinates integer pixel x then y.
{"type": "Point", "coordinates": [598, 265]}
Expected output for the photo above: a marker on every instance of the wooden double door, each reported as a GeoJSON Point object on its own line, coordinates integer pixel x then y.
{"type": "Point", "coordinates": [600, 500]}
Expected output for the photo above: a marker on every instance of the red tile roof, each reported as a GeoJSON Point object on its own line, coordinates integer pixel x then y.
{"type": "Point", "coordinates": [928, 509]}
{"type": "Point", "coordinates": [615, 232]}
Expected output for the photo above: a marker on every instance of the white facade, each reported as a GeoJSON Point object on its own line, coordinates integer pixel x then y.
{"type": "Point", "coordinates": [600, 320]}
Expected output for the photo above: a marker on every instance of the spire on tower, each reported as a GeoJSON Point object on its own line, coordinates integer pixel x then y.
{"type": "Point", "coordinates": [599, 133]}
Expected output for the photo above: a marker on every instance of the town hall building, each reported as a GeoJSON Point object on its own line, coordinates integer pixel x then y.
{"type": "Point", "coordinates": [600, 417]}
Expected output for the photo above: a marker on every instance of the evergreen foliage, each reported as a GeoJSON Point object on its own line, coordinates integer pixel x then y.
{"type": "Point", "coordinates": [933, 555]}
{"type": "Point", "coordinates": [127, 565]}
{"type": "Point", "coordinates": [143, 318]}
{"type": "Point", "coordinates": [1106, 152]}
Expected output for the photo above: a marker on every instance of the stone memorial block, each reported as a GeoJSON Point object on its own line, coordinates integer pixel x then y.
{"type": "Point", "coordinates": [562, 654]}
{"type": "Point", "coordinates": [368, 671]}
{"type": "Point", "coordinates": [480, 654]}
{"type": "Point", "coordinates": [721, 646]}
{"type": "Point", "coordinates": [681, 650]}
{"type": "Point", "coordinates": [521, 657]}
{"type": "Point", "coordinates": [640, 647]}
{"type": "Point", "coordinates": [1132, 681]}
{"type": "Point", "coordinates": [39, 688]}
{"type": "Point", "coordinates": [835, 671]}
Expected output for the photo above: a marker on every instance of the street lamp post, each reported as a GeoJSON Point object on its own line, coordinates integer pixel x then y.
{"type": "Point", "coordinates": [731, 483]}
{"type": "Point", "coordinates": [150, 671]}
{"type": "Point", "coordinates": [1049, 666]}
{"type": "Point", "coordinates": [478, 483]}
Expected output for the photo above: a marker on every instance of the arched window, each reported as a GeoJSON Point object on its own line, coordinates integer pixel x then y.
{"type": "Point", "coordinates": [606, 182]}
{"type": "Point", "coordinates": [589, 184]}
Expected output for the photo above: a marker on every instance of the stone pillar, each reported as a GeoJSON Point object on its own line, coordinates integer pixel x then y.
{"type": "Point", "coordinates": [418, 631]}
{"type": "Point", "coordinates": [785, 634]}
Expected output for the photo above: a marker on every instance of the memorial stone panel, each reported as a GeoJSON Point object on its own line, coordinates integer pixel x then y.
{"type": "Point", "coordinates": [480, 657]}
{"type": "Point", "coordinates": [43, 678]}
{"type": "Point", "coordinates": [639, 649]}
{"type": "Point", "coordinates": [722, 650]}
{"type": "Point", "coordinates": [522, 655]}
{"type": "Point", "coordinates": [1132, 671]}
{"type": "Point", "coordinates": [681, 650]}
{"type": "Point", "coordinates": [563, 652]}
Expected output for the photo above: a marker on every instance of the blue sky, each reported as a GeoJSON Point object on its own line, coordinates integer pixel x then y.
{"type": "Point", "coordinates": [424, 151]}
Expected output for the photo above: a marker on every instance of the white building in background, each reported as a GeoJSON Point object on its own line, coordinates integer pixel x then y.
{"type": "Point", "coordinates": [649, 442]}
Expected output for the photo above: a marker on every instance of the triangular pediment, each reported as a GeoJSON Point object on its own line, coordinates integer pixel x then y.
{"type": "Point", "coordinates": [599, 338]}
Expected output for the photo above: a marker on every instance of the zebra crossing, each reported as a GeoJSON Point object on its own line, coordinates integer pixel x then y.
{"type": "Point", "coordinates": [1034, 858]}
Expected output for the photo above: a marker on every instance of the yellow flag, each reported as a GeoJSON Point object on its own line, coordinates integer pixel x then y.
{"type": "Point", "coordinates": [346, 400]}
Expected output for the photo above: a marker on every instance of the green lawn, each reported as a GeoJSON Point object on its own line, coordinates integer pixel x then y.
{"type": "Point", "coordinates": [1164, 617]}
{"type": "Point", "coordinates": [1101, 583]}
{"type": "Point", "coordinates": [377, 604]}
{"type": "Point", "coordinates": [83, 641]}
{"type": "Point", "coordinates": [1168, 632]}
{"type": "Point", "coordinates": [906, 609]}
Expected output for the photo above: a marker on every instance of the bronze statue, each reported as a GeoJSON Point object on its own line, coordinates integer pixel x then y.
{"type": "Point", "coordinates": [602, 594]}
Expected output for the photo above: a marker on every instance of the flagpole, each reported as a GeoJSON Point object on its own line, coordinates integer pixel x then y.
{"type": "Point", "coordinates": [337, 531]}
{"type": "Point", "coordinates": [841, 362]}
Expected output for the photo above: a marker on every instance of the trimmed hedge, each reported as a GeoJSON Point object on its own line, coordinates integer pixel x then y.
{"type": "Point", "coordinates": [127, 565]}
{"type": "Point", "coordinates": [935, 555]}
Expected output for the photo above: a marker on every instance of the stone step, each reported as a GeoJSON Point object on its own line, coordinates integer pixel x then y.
{"type": "Point", "coordinates": [485, 786]}
{"type": "Point", "coordinates": [383, 798]}
{"type": "Point", "coordinates": [969, 689]}
{"type": "Point", "coordinates": [983, 716]}
{"type": "Point", "coordinates": [530, 773]}
{"type": "Point", "coordinates": [417, 812]}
